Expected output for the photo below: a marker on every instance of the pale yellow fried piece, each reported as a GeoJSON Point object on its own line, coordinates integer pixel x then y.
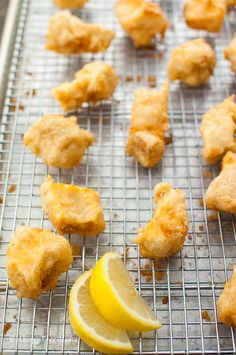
{"type": "Point", "coordinates": [141, 19]}
{"type": "Point", "coordinates": [221, 193]}
{"type": "Point", "coordinates": [96, 81]}
{"type": "Point", "coordinates": [217, 130]}
{"type": "Point", "coordinates": [35, 260]}
{"type": "Point", "coordinates": [69, 4]}
{"type": "Point", "coordinates": [193, 62]}
{"type": "Point", "coordinates": [165, 234]}
{"type": "Point", "coordinates": [230, 53]}
{"type": "Point", "coordinates": [205, 15]}
{"type": "Point", "coordinates": [149, 122]}
{"type": "Point", "coordinates": [226, 305]}
{"type": "Point", "coordinates": [67, 34]}
{"type": "Point", "coordinates": [59, 141]}
{"type": "Point", "coordinates": [230, 3]}
{"type": "Point", "coordinates": [72, 209]}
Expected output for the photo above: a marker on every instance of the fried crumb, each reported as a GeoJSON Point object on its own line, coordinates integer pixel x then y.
{"type": "Point", "coordinates": [200, 201]}
{"type": "Point", "coordinates": [7, 326]}
{"type": "Point", "coordinates": [76, 251]}
{"type": "Point", "coordinates": [159, 275]}
{"type": "Point", "coordinates": [199, 235]}
{"type": "Point", "coordinates": [136, 279]}
{"type": "Point", "coordinates": [86, 268]}
{"type": "Point", "coordinates": [130, 78]}
{"type": "Point", "coordinates": [1, 200]}
{"type": "Point", "coordinates": [206, 316]}
{"type": "Point", "coordinates": [165, 300]}
{"type": "Point", "coordinates": [190, 237]}
{"type": "Point", "coordinates": [21, 107]}
{"type": "Point", "coordinates": [209, 282]}
{"type": "Point", "coordinates": [207, 174]}
{"type": "Point", "coordinates": [168, 139]}
{"type": "Point", "coordinates": [185, 256]}
{"type": "Point", "coordinates": [126, 252]}
{"type": "Point", "coordinates": [180, 283]}
{"type": "Point", "coordinates": [201, 228]}
{"type": "Point", "coordinates": [11, 188]}
{"type": "Point", "coordinates": [31, 92]}
{"type": "Point", "coordinates": [213, 216]}
{"type": "Point", "coordinates": [152, 81]}
{"type": "Point", "coordinates": [29, 73]}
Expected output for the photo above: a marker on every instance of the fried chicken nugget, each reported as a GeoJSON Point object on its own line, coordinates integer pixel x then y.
{"type": "Point", "coordinates": [193, 62]}
{"type": "Point", "coordinates": [205, 15]}
{"type": "Point", "coordinates": [67, 34]}
{"type": "Point", "coordinates": [72, 209]}
{"type": "Point", "coordinates": [149, 122]}
{"type": "Point", "coordinates": [165, 234]}
{"type": "Point", "coordinates": [230, 53]}
{"type": "Point", "coordinates": [35, 260]}
{"type": "Point", "coordinates": [69, 4]}
{"type": "Point", "coordinates": [221, 193]}
{"type": "Point", "coordinates": [217, 130]}
{"type": "Point", "coordinates": [142, 20]}
{"type": "Point", "coordinates": [226, 304]}
{"type": "Point", "coordinates": [96, 81]}
{"type": "Point", "coordinates": [59, 141]}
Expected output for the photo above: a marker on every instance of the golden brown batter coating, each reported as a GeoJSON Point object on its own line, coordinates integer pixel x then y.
{"type": "Point", "coordinates": [230, 3]}
{"type": "Point", "coordinates": [96, 81]}
{"type": "Point", "coordinates": [67, 34]}
{"type": "Point", "coordinates": [230, 53]}
{"type": "Point", "coordinates": [142, 20]}
{"type": "Point", "coordinates": [226, 305]}
{"type": "Point", "coordinates": [35, 260]}
{"type": "Point", "coordinates": [193, 62]}
{"type": "Point", "coordinates": [217, 130]}
{"type": "Point", "coordinates": [69, 4]}
{"type": "Point", "coordinates": [221, 193]}
{"type": "Point", "coordinates": [59, 141]}
{"type": "Point", "coordinates": [205, 15]}
{"type": "Point", "coordinates": [165, 234]}
{"type": "Point", "coordinates": [72, 209]}
{"type": "Point", "coordinates": [149, 122]}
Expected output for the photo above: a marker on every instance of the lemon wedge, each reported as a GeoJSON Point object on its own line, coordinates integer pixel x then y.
{"type": "Point", "coordinates": [90, 326]}
{"type": "Point", "coordinates": [115, 296]}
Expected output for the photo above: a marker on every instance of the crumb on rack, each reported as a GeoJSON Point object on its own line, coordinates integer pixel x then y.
{"type": "Point", "coordinates": [201, 202]}
{"type": "Point", "coordinates": [1, 200]}
{"type": "Point", "coordinates": [165, 300]}
{"type": "Point", "coordinates": [76, 250]}
{"type": "Point", "coordinates": [190, 237]}
{"type": "Point", "coordinates": [11, 188]}
{"type": "Point", "coordinates": [207, 174]}
{"type": "Point", "coordinates": [168, 139]}
{"type": "Point", "coordinates": [7, 326]}
{"type": "Point", "coordinates": [213, 216]}
{"type": "Point", "coordinates": [201, 228]}
{"type": "Point", "coordinates": [206, 316]}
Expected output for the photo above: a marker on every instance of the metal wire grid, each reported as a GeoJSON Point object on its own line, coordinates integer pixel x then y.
{"type": "Point", "coordinates": [190, 281]}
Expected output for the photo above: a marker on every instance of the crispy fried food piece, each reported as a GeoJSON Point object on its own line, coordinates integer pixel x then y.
{"type": "Point", "coordinates": [221, 193]}
{"type": "Point", "coordinates": [217, 130]}
{"type": "Point", "coordinates": [205, 15]}
{"type": "Point", "coordinates": [69, 4]}
{"type": "Point", "coordinates": [230, 3]}
{"type": "Point", "coordinates": [96, 81]}
{"type": "Point", "coordinates": [59, 141]}
{"type": "Point", "coordinates": [142, 20]}
{"type": "Point", "coordinates": [165, 234]}
{"type": "Point", "coordinates": [230, 53]}
{"type": "Point", "coordinates": [193, 62]}
{"type": "Point", "coordinates": [226, 304]}
{"type": "Point", "coordinates": [67, 34]}
{"type": "Point", "coordinates": [149, 122]}
{"type": "Point", "coordinates": [72, 209]}
{"type": "Point", "coordinates": [35, 260]}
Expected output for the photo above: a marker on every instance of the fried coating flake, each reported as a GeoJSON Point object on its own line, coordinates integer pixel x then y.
{"type": "Point", "coordinates": [217, 130]}
{"type": "Point", "coordinates": [165, 234]}
{"type": "Point", "coordinates": [221, 193]}
{"type": "Point", "coordinates": [35, 260]}
{"type": "Point", "coordinates": [226, 305]}
{"type": "Point", "coordinates": [142, 20]}
{"type": "Point", "coordinates": [67, 34]}
{"type": "Point", "coordinates": [59, 141]}
{"type": "Point", "coordinates": [72, 209]}
{"type": "Point", "coordinates": [193, 62]}
{"type": "Point", "coordinates": [149, 122]}
{"type": "Point", "coordinates": [69, 4]}
{"type": "Point", "coordinates": [230, 53]}
{"type": "Point", "coordinates": [205, 15]}
{"type": "Point", "coordinates": [96, 81]}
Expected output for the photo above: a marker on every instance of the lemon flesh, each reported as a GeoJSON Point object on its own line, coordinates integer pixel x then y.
{"type": "Point", "coordinates": [89, 324]}
{"type": "Point", "coordinates": [115, 296]}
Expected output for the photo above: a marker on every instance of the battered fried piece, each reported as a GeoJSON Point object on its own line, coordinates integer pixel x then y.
{"type": "Point", "coordinates": [69, 4]}
{"type": "Point", "coordinates": [193, 62]}
{"type": "Point", "coordinates": [221, 193]}
{"type": "Point", "coordinates": [165, 234]}
{"type": "Point", "coordinates": [59, 141]}
{"type": "Point", "coordinates": [35, 260]}
{"type": "Point", "coordinates": [217, 130]}
{"type": "Point", "coordinates": [72, 209]}
{"type": "Point", "coordinates": [96, 81]}
{"type": "Point", "coordinates": [230, 53]}
{"type": "Point", "coordinates": [230, 3]}
{"type": "Point", "coordinates": [67, 34]}
{"type": "Point", "coordinates": [142, 20]}
{"type": "Point", "coordinates": [226, 304]}
{"type": "Point", "coordinates": [205, 15]}
{"type": "Point", "coordinates": [149, 122]}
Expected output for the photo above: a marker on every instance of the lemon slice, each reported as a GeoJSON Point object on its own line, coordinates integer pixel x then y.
{"type": "Point", "coordinates": [115, 296]}
{"type": "Point", "coordinates": [90, 326]}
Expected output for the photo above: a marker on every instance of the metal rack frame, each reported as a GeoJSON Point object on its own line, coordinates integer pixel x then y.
{"type": "Point", "coordinates": [179, 288]}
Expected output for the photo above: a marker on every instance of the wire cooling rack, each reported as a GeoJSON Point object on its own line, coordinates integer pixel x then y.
{"type": "Point", "coordinates": [183, 289]}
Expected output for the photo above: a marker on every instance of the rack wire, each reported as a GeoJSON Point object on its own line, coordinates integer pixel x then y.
{"type": "Point", "coordinates": [183, 289]}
